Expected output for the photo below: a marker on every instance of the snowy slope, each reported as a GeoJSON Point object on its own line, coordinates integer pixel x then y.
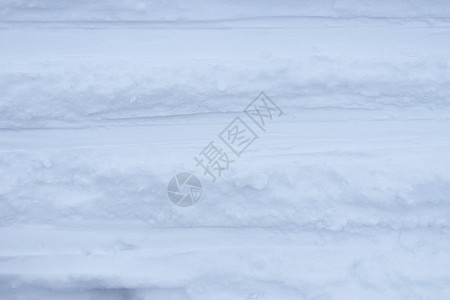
{"type": "Point", "coordinates": [345, 196]}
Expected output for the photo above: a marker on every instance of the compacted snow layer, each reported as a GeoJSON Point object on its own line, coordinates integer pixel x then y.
{"type": "Point", "coordinates": [344, 196]}
{"type": "Point", "coordinates": [188, 10]}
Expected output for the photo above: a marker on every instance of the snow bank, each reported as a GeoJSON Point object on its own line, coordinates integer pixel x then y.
{"type": "Point", "coordinates": [69, 80]}
{"type": "Point", "coordinates": [344, 196]}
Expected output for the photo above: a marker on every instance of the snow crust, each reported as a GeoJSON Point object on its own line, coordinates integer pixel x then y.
{"type": "Point", "coordinates": [345, 196]}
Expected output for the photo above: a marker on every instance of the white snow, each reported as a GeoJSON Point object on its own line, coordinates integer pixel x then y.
{"type": "Point", "coordinates": [345, 196]}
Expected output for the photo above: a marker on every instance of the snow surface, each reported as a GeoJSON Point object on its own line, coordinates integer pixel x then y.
{"type": "Point", "coordinates": [345, 196]}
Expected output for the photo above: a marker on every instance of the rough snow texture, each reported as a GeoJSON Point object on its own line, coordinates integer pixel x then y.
{"type": "Point", "coordinates": [181, 10]}
{"type": "Point", "coordinates": [346, 196]}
